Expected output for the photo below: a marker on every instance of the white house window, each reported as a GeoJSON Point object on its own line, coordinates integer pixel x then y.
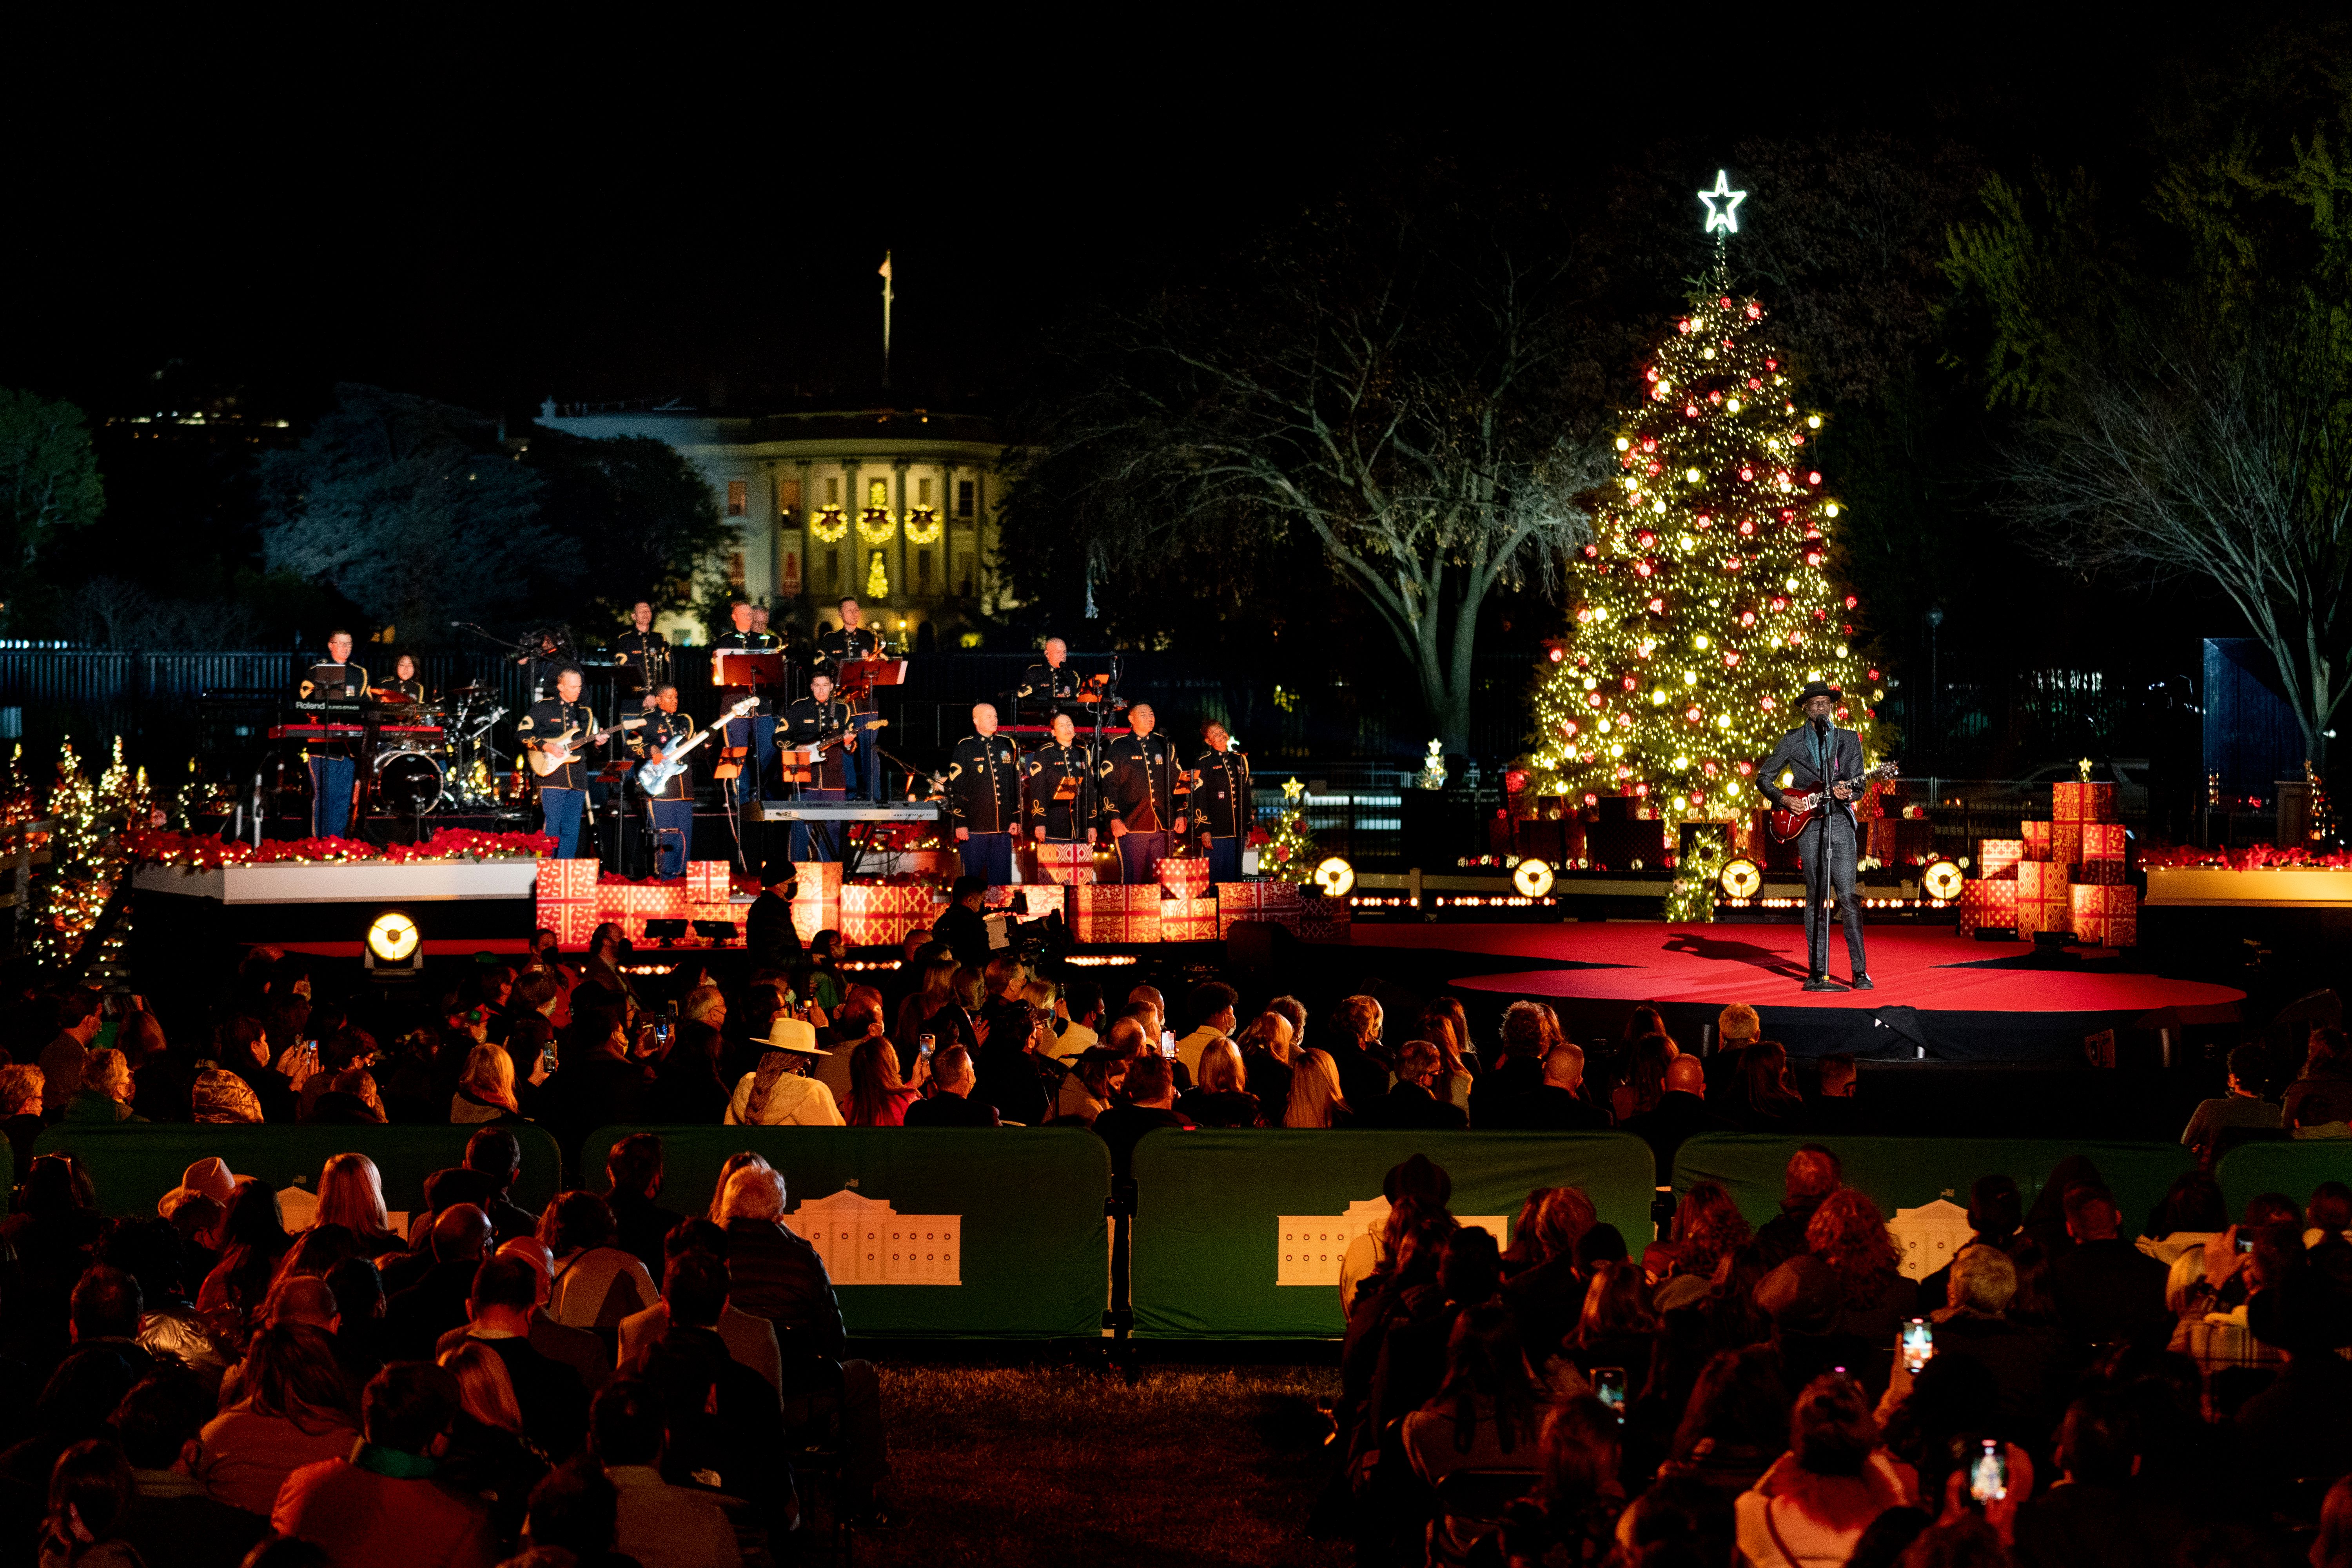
{"type": "Point", "coordinates": [738, 497]}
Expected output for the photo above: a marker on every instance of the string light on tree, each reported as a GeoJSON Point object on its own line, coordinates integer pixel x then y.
{"type": "Point", "coordinates": [1702, 603]}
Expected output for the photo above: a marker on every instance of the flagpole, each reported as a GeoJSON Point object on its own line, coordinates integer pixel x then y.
{"type": "Point", "coordinates": [885, 318]}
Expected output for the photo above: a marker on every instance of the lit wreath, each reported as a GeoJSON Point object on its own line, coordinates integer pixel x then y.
{"type": "Point", "coordinates": [923, 526]}
{"type": "Point", "coordinates": [829, 526]}
{"type": "Point", "coordinates": [877, 526]}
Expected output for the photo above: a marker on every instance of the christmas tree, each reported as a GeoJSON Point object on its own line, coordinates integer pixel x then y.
{"type": "Point", "coordinates": [1701, 607]}
{"type": "Point", "coordinates": [1288, 853]}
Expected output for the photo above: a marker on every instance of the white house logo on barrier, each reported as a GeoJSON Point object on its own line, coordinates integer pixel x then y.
{"type": "Point", "coordinates": [1313, 1244]}
{"type": "Point", "coordinates": [1930, 1236]}
{"type": "Point", "coordinates": [865, 1241]}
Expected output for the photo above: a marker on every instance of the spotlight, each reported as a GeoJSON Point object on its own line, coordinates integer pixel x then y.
{"type": "Point", "coordinates": [394, 946]}
{"type": "Point", "coordinates": [1533, 879]}
{"type": "Point", "coordinates": [1941, 880]}
{"type": "Point", "coordinates": [1740, 879]}
{"type": "Point", "coordinates": [666, 931]}
{"type": "Point", "coordinates": [1335, 877]}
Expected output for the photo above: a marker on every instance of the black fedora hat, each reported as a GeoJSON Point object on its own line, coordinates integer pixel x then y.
{"type": "Point", "coordinates": [1817, 689]}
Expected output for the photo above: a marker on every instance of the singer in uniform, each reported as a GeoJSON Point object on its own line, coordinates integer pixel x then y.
{"type": "Point", "coordinates": [1222, 808]}
{"type": "Point", "coordinates": [1815, 753]}
{"type": "Point", "coordinates": [983, 798]}
{"type": "Point", "coordinates": [813, 719]}
{"type": "Point", "coordinates": [562, 792]}
{"type": "Point", "coordinates": [643, 655]}
{"type": "Point", "coordinates": [1060, 788]}
{"type": "Point", "coordinates": [334, 778]}
{"type": "Point", "coordinates": [1140, 781]}
{"type": "Point", "coordinates": [845, 644]}
{"type": "Point", "coordinates": [671, 806]}
{"type": "Point", "coordinates": [1049, 688]}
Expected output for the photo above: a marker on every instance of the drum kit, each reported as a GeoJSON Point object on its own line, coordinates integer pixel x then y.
{"type": "Point", "coordinates": [441, 757]}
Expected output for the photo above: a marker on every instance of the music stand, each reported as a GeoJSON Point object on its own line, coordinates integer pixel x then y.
{"type": "Point", "coordinates": [859, 676]}
{"type": "Point", "coordinates": [747, 668]}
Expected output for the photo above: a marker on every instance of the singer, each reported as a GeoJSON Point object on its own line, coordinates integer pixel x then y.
{"type": "Point", "coordinates": [1815, 754]}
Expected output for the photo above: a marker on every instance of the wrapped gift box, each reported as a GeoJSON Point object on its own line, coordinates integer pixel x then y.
{"type": "Point", "coordinates": [1995, 855]}
{"type": "Point", "coordinates": [2102, 841]}
{"type": "Point", "coordinates": [818, 879]}
{"type": "Point", "coordinates": [1067, 865]}
{"type": "Point", "coordinates": [568, 879]}
{"type": "Point", "coordinates": [2044, 901]}
{"type": "Point", "coordinates": [889, 899]}
{"type": "Point", "coordinates": [1988, 906]}
{"type": "Point", "coordinates": [566, 901]}
{"type": "Point", "coordinates": [1040, 899]}
{"type": "Point", "coordinates": [1259, 899]}
{"type": "Point", "coordinates": [2099, 874]}
{"type": "Point", "coordinates": [1188, 920]}
{"type": "Point", "coordinates": [2083, 802]}
{"type": "Point", "coordinates": [2105, 915]}
{"type": "Point", "coordinates": [999, 895]}
{"type": "Point", "coordinates": [708, 881]}
{"type": "Point", "coordinates": [879, 930]}
{"type": "Point", "coordinates": [1901, 841]}
{"type": "Point", "coordinates": [2065, 843]}
{"type": "Point", "coordinates": [2035, 836]}
{"type": "Point", "coordinates": [1324, 920]}
{"type": "Point", "coordinates": [1184, 879]}
{"type": "Point", "coordinates": [658, 900]}
{"type": "Point", "coordinates": [810, 916]}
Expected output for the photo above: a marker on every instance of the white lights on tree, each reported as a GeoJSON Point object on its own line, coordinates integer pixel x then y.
{"type": "Point", "coordinates": [1726, 216]}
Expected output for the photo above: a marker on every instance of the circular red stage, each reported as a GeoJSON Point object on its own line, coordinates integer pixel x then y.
{"type": "Point", "coordinates": [1959, 998]}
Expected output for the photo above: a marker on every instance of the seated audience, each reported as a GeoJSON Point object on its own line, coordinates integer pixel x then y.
{"type": "Point", "coordinates": [779, 1092]}
{"type": "Point", "coordinates": [1813, 1503]}
{"type": "Point", "coordinates": [633, 1173]}
{"type": "Point", "coordinates": [487, 1451]}
{"type": "Point", "coordinates": [2323, 1094]}
{"type": "Point", "coordinates": [294, 1406]}
{"type": "Point", "coordinates": [1484, 1416]}
{"type": "Point", "coordinates": [1219, 1095]}
{"type": "Point", "coordinates": [656, 1523]}
{"type": "Point", "coordinates": [419, 1314]}
{"type": "Point", "coordinates": [383, 1506]}
{"type": "Point", "coordinates": [597, 1283]}
{"type": "Point", "coordinates": [1681, 1111]}
{"type": "Point", "coordinates": [1412, 1102]}
{"type": "Point", "coordinates": [1315, 1100]}
{"type": "Point", "coordinates": [878, 1096]}
{"type": "Point", "coordinates": [950, 1103]}
{"type": "Point", "coordinates": [171, 1522]}
{"type": "Point", "coordinates": [2108, 1290]}
{"type": "Point", "coordinates": [1150, 1089]}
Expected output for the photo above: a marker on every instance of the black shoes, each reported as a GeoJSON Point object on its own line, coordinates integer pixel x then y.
{"type": "Point", "coordinates": [1822, 982]}
{"type": "Point", "coordinates": [1864, 983]}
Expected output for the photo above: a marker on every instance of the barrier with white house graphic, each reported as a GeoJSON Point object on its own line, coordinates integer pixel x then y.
{"type": "Point", "coordinates": [1930, 1236]}
{"type": "Point", "coordinates": [865, 1241]}
{"type": "Point", "coordinates": [1312, 1245]}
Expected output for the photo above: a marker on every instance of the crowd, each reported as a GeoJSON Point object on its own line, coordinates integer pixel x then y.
{"type": "Point", "coordinates": [608, 1381]}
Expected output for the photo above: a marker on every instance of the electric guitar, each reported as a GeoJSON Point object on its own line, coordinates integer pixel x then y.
{"type": "Point", "coordinates": [553, 753]}
{"type": "Point", "coordinates": [814, 751]}
{"type": "Point", "coordinates": [654, 777]}
{"type": "Point", "coordinates": [1796, 811]}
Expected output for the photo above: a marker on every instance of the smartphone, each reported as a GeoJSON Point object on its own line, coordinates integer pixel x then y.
{"type": "Point", "coordinates": [1609, 1387]}
{"type": "Point", "coordinates": [661, 1034]}
{"type": "Point", "coordinates": [1168, 1043]}
{"type": "Point", "coordinates": [2245, 1241]}
{"type": "Point", "coordinates": [547, 1057]}
{"type": "Point", "coordinates": [1917, 1343]}
{"type": "Point", "coordinates": [1989, 1473]}
{"type": "Point", "coordinates": [924, 1044]}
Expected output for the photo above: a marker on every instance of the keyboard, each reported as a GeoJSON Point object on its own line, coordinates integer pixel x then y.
{"type": "Point", "coordinates": [351, 731]}
{"type": "Point", "coordinates": [847, 811]}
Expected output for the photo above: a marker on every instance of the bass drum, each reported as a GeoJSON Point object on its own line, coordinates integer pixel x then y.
{"type": "Point", "coordinates": [407, 784]}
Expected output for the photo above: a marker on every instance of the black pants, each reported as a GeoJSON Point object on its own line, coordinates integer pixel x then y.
{"type": "Point", "coordinates": [1828, 874]}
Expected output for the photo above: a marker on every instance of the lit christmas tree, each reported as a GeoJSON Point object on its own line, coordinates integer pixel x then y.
{"type": "Point", "coordinates": [1288, 854]}
{"type": "Point", "coordinates": [1701, 607]}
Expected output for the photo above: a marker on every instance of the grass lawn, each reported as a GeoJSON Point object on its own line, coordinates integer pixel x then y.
{"type": "Point", "coordinates": [1058, 1465]}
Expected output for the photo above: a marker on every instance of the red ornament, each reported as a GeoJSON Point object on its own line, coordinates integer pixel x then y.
{"type": "Point", "coordinates": [1627, 683]}
{"type": "Point", "coordinates": [1690, 410]}
{"type": "Point", "coordinates": [1657, 607]}
{"type": "Point", "coordinates": [1755, 384]}
{"type": "Point", "coordinates": [1813, 479]}
{"type": "Point", "coordinates": [1691, 713]}
{"type": "Point", "coordinates": [1850, 602]}
{"type": "Point", "coordinates": [1748, 474]}
{"type": "Point", "coordinates": [1645, 538]}
{"type": "Point", "coordinates": [1705, 520]}
{"type": "Point", "coordinates": [1592, 699]}
{"type": "Point", "coordinates": [1727, 301]}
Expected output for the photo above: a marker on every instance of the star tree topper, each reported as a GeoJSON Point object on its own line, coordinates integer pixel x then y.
{"type": "Point", "coordinates": [1726, 218]}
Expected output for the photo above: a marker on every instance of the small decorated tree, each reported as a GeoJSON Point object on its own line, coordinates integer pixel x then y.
{"type": "Point", "coordinates": [1289, 852]}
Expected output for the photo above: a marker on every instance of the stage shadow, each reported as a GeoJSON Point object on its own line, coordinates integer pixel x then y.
{"type": "Point", "coordinates": [1719, 951]}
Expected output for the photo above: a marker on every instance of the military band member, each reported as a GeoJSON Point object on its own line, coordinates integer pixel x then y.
{"type": "Point", "coordinates": [334, 778]}
{"type": "Point", "coordinates": [561, 793]}
{"type": "Point", "coordinates": [851, 641]}
{"type": "Point", "coordinates": [1051, 686]}
{"type": "Point", "coordinates": [757, 730]}
{"type": "Point", "coordinates": [1139, 770]}
{"type": "Point", "coordinates": [672, 805]}
{"type": "Point", "coordinates": [404, 685]}
{"type": "Point", "coordinates": [549, 653]}
{"type": "Point", "coordinates": [813, 719]}
{"type": "Point", "coordinates": [985, 798]}
{"type": "Point", "coordinates": [1223, 811]}
{"type": "Point", "coordinates": [643, 655]}
{"type": "Point", "coordinates": [1061, 774]}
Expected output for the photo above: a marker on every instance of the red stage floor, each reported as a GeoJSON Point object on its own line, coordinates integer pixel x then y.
{"type": "Point", "coordinates": [1931, 971]}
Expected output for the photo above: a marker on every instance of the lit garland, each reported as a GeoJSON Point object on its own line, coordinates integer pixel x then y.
{"type": "Point", "coordinates": [830, 525]}
{"type": "Point", "coordinates": [923, 526]}
{"type": "Point", "coordinates": [1701, 605]}
{"type": "Point", "coordinates": [204, 852]}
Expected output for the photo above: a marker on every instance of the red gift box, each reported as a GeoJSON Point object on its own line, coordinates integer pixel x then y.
{"type": "Point", "coordinates": [659, 900]}
{"type": "Point", "coordinates": [1325, 920]}
{"type": "Point", "coordinates": [566, 901]}
{"type": "Point", "coordinates": [810, 916]}
{"type": "Point", "coordinates": [879, 930]}
{"type": "Point", "coordinates": [1246, 899]}
{"type": "Point", "coordinates": [1184, 879]}
{"type": "Point", "coordinates": [999, 895]}
{"type": "Point", "coordinates": [1041, 899]}
{"type": "Point", "coordinates": [2102, 841]}
{"type": "Point", "coordinates": [568, 879]}
{"type": "Point", "coordinates": [1188, 920]}
{"type": "Point", "coordinates": [1995, 855]}
{"type": "Point", "coordinates": [816, 879]}
{"type": "Point", "coordinates": [2044, 901]}
{"type": "Point", "coordinates": [709, 881]}
{"type": "Point", "coordinates": [1066, 865]}
{"type": "Point", "coordinates": [2065, 843]}
{"type": "Point", "coordinates": [2083, 802]}
{"type": "Point", "coordinates": [889, 899]}
{"type": "Point", "coordinates": [2099, 874]}
{"type": "Point", "coordinates": [1988, 906]}
{"type": "Point", "coordinates": [1900, 840]}
{"type": "Point", "coordinates": [2036, 837]}
{"type": "Point", "coordinates": [2105, 915]}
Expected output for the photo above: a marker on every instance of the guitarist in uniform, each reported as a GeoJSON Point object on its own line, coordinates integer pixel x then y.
{"type": "Point", "coordinates": [563, 791]}
{"type": "Point", "coordinates": [812, 720]}
{"type": "Point", "coordinates": [983, 798]}
{"type": "Point", "coordinates": [672, 805]}
{"type": "Point", "coordinates": [1818, 753]}
{"type": "Point", "coordinates": [1060, 776]}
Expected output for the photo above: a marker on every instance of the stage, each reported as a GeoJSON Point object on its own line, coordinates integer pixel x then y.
{"type": "Point", "coordinates": [1957, 999]}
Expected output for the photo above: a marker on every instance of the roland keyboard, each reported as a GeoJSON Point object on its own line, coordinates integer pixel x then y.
{"type": "Point", "coordinates": [848, 811]}
{"type": "Point", "coordinates": [330, 731]}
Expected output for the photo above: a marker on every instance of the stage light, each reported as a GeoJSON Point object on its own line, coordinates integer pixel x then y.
{"type": "Point", "coordinates": [1941, 880]}
{"type": "Point", "coordinates": [719, 933]}
{"type": "Point", "coordinates": [393, 937]}
{"type": "Point", "coordinates": [1740, 879]}
{"type": "Point", "coordinates": [1533, 879]}
{"type": "Point", "coordinates": [664, 930]}
{"type": "Point", "coordinates": [1335, 877]}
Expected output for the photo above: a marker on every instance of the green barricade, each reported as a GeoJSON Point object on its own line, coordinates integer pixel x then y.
{"type": "Point", "coordinates": [2292, 1166]}
{"type": "Point", "coordinates": [1239, 1232]}
{"type": "Point", "coordinates": [948, 1232]}
{"type": "Point", "coordinates": [135, 1163]}
{"type": "Point", "coordinates": [1909, 1172]}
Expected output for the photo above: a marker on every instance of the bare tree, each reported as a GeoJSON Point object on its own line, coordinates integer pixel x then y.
{"type": "Point", "coordinates": [1419, 407]}
{"type": "Point", "coordinates": [2224, 456]}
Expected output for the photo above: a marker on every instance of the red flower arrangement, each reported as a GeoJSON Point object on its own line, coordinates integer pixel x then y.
{"type": "Point", "coordinates": [2254, 857]}
{"type": "Point", "coordinates": [165, 848]}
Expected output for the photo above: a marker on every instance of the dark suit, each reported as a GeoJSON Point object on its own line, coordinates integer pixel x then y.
{"type": "Point", "coordinates": [1678, 1115]}
{"type": "Point", "coordinates": [1410, 1106]}
{"type": "Point", "coordinates": [1831, 843]}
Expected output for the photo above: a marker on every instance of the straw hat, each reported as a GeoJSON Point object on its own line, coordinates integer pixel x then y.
{"type": "Point", "coordinates": [791, 1034]}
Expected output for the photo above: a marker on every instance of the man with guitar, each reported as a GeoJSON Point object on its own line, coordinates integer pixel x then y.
{"type": "Point", "coordinates": [817, 722]}
{"type": "Point", "coordinates": [554, 734]}
{"type": "Point", "coordinates": [1815, 754]}
{"type": "Point", "coordinates": [671, 805]}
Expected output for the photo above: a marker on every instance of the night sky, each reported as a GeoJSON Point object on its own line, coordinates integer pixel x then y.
{"type": "Point", "coordinates": [494, 217]}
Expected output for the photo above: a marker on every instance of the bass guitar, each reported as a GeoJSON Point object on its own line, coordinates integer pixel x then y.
{"type": "Point", "coordinates": [551, 753]}
{"type": "Point", "coordinates": [1796, 812]}
{"type": "Point", "coordinates": [654, 776]}
{"type": "Point", "coordinates": [810, 754]}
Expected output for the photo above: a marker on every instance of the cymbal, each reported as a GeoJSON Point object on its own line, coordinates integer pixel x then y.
{"type": "Point", "coordinates": [471, 689]}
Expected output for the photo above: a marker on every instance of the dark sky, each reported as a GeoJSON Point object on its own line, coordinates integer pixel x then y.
{"type": "Point", "coordinates": [492, 216]}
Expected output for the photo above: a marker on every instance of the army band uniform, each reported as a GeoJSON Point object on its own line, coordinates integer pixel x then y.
{"type": "Point", "coordinates": [1223, 809]}
{"type": "Point", "coordinates": [643, 658]}
{"type": "Point", "coordinates": [756, 729]}
{"type": "Point", "coordinates": [397, 690]}
{"type": "Point", "coordinates": [332, 776]}
{"type": "Point", "coordinates": [1051, 819]}
{"type": "Point", "coordinates": [805, 723]}
{"type": "Point", "coordinates": [544, 663]}
{"type": "Point", "coordinates": [1139, 778]}
{"type": "Point", "coordinates": [671, 807]}
{"type": "Point", "coordinates": [561, 793]}
{"type": "Point", "coordinates": [836, 648]}
{"type": "Point", "coordinates": [983, 802]}
{"type": "Point", "coordinates": [1044, 690]}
